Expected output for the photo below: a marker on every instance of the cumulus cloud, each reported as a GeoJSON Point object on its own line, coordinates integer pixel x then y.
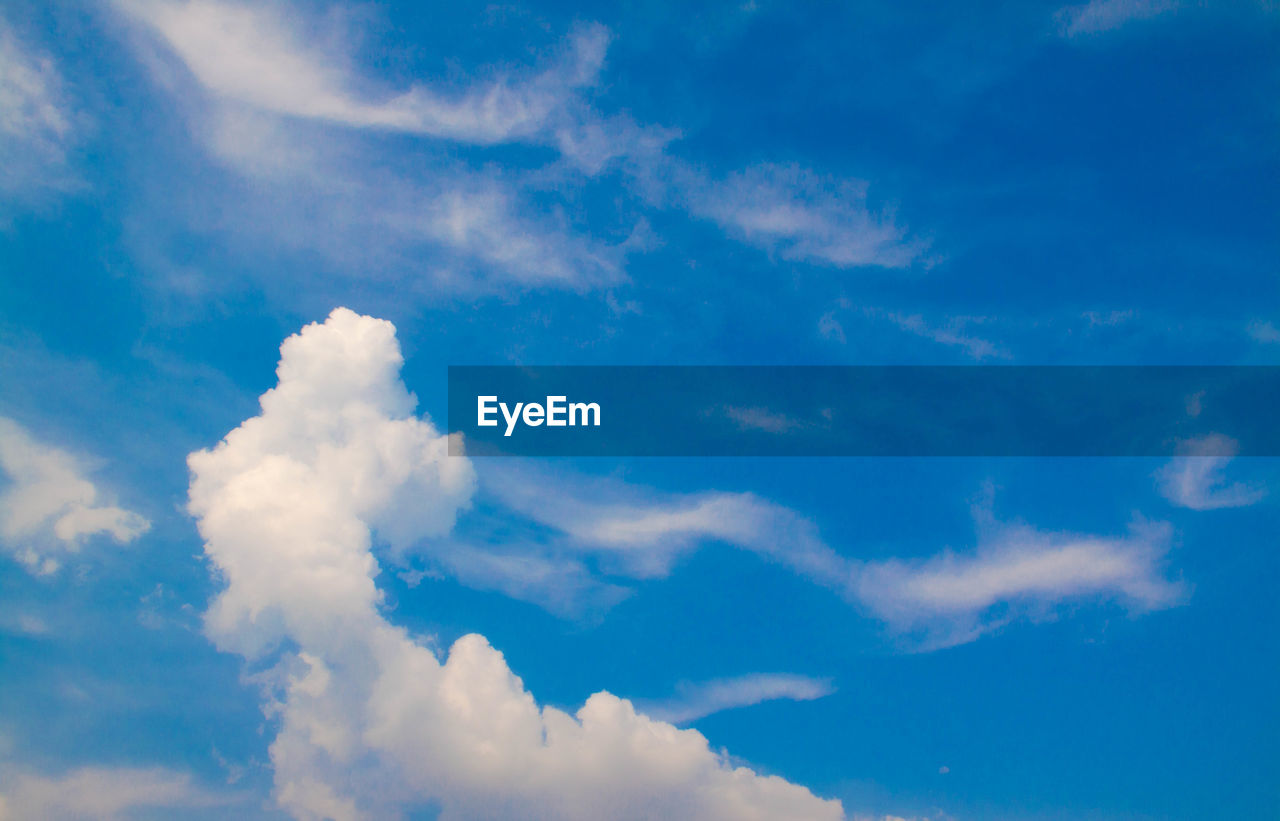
{"type": "Point", "coordinates": [104, 793]}
{"type": "Point", "coordinates": [694, 701]}
{"type": "Point", "coordinates": [1107, 15]}
{"type": "Point", "coordinates": [1017, 571]}
{"type": "Point", "coordinates": [1195, 479]}
{"type": "Point", "coordinates": [37, 124]}
{"type": "Point", "coordinates": [804, 216]}
{"type": "Point", "coordinates": [49, 508]}
{"type": "Point", "coordinates": [371, 722]}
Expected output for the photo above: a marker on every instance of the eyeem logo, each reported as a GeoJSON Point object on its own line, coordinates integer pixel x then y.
{"type": "Point", "coordinates": [558, 412]}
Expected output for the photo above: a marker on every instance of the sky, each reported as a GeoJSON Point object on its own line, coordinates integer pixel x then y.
{"type": "Point", "coordinates": [241, 575]}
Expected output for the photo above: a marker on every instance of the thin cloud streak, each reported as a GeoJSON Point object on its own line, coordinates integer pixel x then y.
{"type": "Point", "coordinates": [1099, 16]}
{"type": "Point", "coordinates": [1015, 572]}
{"type": "Point", "coordinates": [695, 701]}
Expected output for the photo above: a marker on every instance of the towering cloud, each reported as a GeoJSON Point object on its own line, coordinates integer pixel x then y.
{"type": "Point", "coordinates": [372, 722]}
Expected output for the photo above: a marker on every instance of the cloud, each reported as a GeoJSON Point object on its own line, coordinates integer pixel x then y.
{"type": "Point", "coordinates": [276, 60]}
{"type": "Point", "coordinates": [1195, 478]}
{"type": "Point", "coordinates": [1016, 571]}
{"type": "Point", "coordinates": [694, 701]}
{"type": "Point", "coordinates": [1107, 15]}
{"type": "Point", "coordinates": [49, 508]}
{"type": "Point", "coordinates": [1265, 332]}
{"type": "Point", "coordinates": [830, 327]}
{"type": "Point", "coordinates": [37, 123]}
{"type": "Point", "coordinates": [1107, 319]}
{"type": "Point", "coordinates": [252, 55]}
{"type": "Point", "coordinates": [761, 419]}
{"type": "Point", "coordinates": [278, 100]}
{"type": "Point", "coordinates": [372, 722]}
{"type": "Point", "coordinates": [525, 571]}
{"type": "Point", "coordinates": [952, 334]}
{"type": "Point", "coordinates": [277, 95]}
{"type": "Point", "coordinates": [803, 216]}
{"type": "Point", "coordinates": [100, 793]}
{"type": "Point", "coordinates": [640, 532]}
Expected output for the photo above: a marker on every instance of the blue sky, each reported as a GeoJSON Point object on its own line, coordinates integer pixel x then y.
{"type": "Point", "coordinates": [323, 616]}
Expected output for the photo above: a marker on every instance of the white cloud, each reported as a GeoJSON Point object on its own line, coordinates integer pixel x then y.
{"type": "Point", "coordinates": [952, 334]}
{"type": "Point", "coordinates": [271, 84]}
{"type": "Point", "coordinates": [271, 78]}
{"type": "Point", "coordinates": [804, 216]}
{"type": "Point", "coordinates": [37, 125]}
{"type": "Point", "coordinates": [49, 508]}
{"type": "Point", "coordinates": [559, 584]}
{"type": "Point", "coordinates": [1107, 15]}
{"type": "Point", "coordinates": [1017, 571]}
{"type": "Point", "coordinates": [1107, 319]}
{"type": "Point", "coordinates": [761, 419]}
{"type": "Point", "coordinates": [694, 701]}
{"type": "Point", "coordinates": [640, 532]}
{"type": "Point", "coordinates": [1195, 479]}
{"type": "Point", "coordinates": [830, 327]}
{"type": "Point", "coordinates": [281, 61]}
{"type": "Point", "coordinates": [371, 721]}
{"type": "Point", "coordinates": [103, 793]}
{"type": "Point", "coordinates": [253, 55]}
{"type": "Point", "coordinates": [1265, 332]}
{"type": "Point", "coordinates": [376, 217]}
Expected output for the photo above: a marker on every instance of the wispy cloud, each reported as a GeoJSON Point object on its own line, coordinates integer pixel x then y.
{"type": "Point", "coordinates": [694, 701]}
{"type": "Point", "coordinates": [49, 507]}
{"type": "Point", "coordinates": [278, 100]}
{"type": "Point", "coordinates": [953, 333]}
{"type": "Point", "coordinates": [37, 122]}
{"type": "Point", "coordinates": [640, 532]}
{"type": "Point", "coordinates": [562, 585]}
{"type": "Point", "coordinates": [830, 328]}
{"type": "Point", "coordinates": [761, 419]}
{"type": "Point", "coordinates": [1107, 319]}
{"type": "Point", "coordinates": [1264, 332]}
{"type": "Point", "coordinates": [102, 792]}
{"type": "Point", "coordinates": [276, 94]}
{"type": "Point", "coordinates": [1017, 571]}
{"type": "Point", "coordinates": [1196, 478]}
{"type": "Point", "coordinates": [1107, 15]}
{"type": "Point", "coordinates": [301, 67]}
{"type": "Point", "coordinates": [804, 216]}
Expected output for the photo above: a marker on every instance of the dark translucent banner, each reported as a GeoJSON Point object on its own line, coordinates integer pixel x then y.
{"type": "Point", "coordinates": [864, 411]}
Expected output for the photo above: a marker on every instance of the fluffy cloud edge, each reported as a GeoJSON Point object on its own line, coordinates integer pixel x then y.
{"type": "Point", "coordinates": [50, 508]}
{"type": "Point", "coordinates": [371, 721]}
